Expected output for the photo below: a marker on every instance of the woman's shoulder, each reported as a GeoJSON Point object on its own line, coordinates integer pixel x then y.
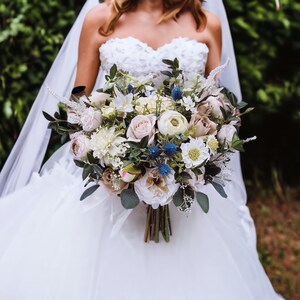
{"type": "Point", "coordinates": [98, 15]}
{"type": "Point", "coordinates": [213, 23]}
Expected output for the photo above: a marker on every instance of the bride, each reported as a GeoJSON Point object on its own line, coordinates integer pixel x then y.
{"type": "Point", "coordinates": [52, 246]}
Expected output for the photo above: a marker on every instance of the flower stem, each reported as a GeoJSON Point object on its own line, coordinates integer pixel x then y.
{"type": "Point", "coordinates": [146, 235]}
{"type": "Point", "coordinates": [157, 224]}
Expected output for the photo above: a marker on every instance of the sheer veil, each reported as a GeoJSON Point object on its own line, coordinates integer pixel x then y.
{"type": "Point", "coordinates": [29, 150]}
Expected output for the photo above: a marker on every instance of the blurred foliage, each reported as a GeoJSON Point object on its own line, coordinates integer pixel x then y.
{"type": "Point", "coordinates": [267, 47]}
{"type": "Point", "coordinates": [31, 33]}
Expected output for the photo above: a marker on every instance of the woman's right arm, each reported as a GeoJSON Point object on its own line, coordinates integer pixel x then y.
{"type": "Point", "coordinates": [89, 43]}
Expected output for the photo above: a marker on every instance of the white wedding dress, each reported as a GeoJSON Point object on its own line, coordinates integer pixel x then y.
{"type": "Point", "coordinates": [54, 247]}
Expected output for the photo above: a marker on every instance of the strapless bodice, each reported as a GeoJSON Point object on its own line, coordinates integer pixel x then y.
{"type": "Point", "coordinates": [139, 59]}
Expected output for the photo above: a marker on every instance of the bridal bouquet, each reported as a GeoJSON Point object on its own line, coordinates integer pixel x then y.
{"type": "Point", "coordinates": [156, 139]}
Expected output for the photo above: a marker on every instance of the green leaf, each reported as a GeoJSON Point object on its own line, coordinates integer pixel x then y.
{"type": "Point", "coordinates": [48, 117]}
{"type": "Point", "coordinates": [89, 191]}
{"type": "Point", "coordinates": [168, 62]}
{"type": "Point", "coordinates": [113, 71]}
{"type": "Point", "coordinates": [98, 170]}
{"type": "Point", "coordinates": [167, 73]}
{"type": "Point", "coordinates": [178, 197]}
{"type": "Point", "coordinates": [144, 141]}
{"type": "Point", "coordinates": [176, 63]}
{"type": "Point", "coordinates": [79, 163]}
{"type": "Point", "coordinates": [129, 199]}
{"type": "Point", "coordinates": [185, 175]}
{"type": "Point", "coordinates": [242, 104]}
{"type": "Point", "coordinates": [219, 188]}
{"type": "Point", "coordinates": [203, 201]}
{"type": "Point", "coordinates": [132, 169]}
{"type": "Point", "coordinates": [87, 169]}
{"type": "Point", "coordinates": [64, 138]}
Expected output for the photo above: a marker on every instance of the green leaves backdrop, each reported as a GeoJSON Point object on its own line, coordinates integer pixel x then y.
{"type": "Point", "coordinates": [266, 43]}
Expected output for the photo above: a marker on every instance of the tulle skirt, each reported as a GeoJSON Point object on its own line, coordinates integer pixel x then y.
{"type": "Point", "coordinates": [55, 247]}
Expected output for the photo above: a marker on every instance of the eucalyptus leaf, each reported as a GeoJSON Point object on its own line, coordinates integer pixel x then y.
{"type": "Point", "coordinates": [87, 169]}
{"type": "Point", "coordinates": [219, 188]}
{"type": "Point", "coordinates": [129, 199]}
{"type": "Point", "coordinates": [98, 170]}
{"type": "Point", "coordinates": [178, 197]}
{"type": "Point", "coordinates": [203, 201]}
{"type": "Point", "coordinates": [89, 191]}
{"type": "Point", "coordinates": [185, 175]}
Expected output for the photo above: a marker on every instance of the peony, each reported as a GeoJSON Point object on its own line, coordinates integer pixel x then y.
{"type": "Point", "coordinates": [172, 123]}
{"type": "Point", "coordinates": [90, 119]}
{"type": "Point", "coordinates": [201, 126]}
{"type": "Point", "coordinates": [155, 189]}
{"type": "Point", "coordinates": [194, 153]}
{"type": "Point", "coordinates": [152, 104]}
{"type": "Point", "coordinates": [141, 126]}
{"type": "Point", "coordinates": [98, 99]}
{"type": "Point", "coordinates": [226, 133]}
{"type": "Point", "coordinates": [80, 146]}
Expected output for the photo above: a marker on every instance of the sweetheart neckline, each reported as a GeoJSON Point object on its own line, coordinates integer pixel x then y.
{"type": "Point", "coordinates": [146, 45]}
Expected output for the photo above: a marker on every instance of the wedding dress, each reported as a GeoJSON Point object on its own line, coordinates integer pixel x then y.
{"type": "Point", "coordinates": [52, 246]}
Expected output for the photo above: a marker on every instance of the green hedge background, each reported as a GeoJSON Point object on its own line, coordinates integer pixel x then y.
{"type": "Point", "coordinates": [267, 46]}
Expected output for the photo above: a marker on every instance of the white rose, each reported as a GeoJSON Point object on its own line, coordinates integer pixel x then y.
{"type": "Point", "coordinates": [172, 123]}
{"type": "Point", "coordinates": [226, 134]}
{"type": "Point", "coordinates": [90, 119]}
{"type": "Point", "coordinates": [141, 126]}
{"type": "Point", "coordinates": [80, 146]}
{"type": "Point", "coordinates": [155, 189]}
{"type": "Point", "coordinates": [153, 103]}
{"type": "Point", "coordinates": [98, 99]}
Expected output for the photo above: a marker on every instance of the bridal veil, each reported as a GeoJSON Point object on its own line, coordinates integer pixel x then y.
{"type": "Point", "coordinates": [28, 152]}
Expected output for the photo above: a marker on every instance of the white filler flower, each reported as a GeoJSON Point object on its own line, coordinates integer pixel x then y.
{"type": "Point", "coordinates": [123, 103]}
{"type": "Point", "coordinates": [194, 153]}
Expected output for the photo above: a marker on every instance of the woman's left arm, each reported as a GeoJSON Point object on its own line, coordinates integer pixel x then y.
{"type": "Point", "coordinates": [214, 31]}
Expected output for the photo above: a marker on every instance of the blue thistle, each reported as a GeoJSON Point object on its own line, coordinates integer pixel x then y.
{"type": "Point", "coordinates": [176, 93]}
{"type": "Point", "coordinates": [130, 88]}
{"type": "Point", "coordinates": [154, 152]}
{"type": "Point", "coordinates": [164, 170]}
{"type": "Point", "coordinates": [170, 149]}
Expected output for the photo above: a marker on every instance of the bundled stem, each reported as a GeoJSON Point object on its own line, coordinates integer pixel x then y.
{"type": "Point", "coordinates": [158, 220]}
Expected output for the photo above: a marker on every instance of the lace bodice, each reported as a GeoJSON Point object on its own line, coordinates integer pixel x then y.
{"type": "Point", "coordinates": [139, 59]}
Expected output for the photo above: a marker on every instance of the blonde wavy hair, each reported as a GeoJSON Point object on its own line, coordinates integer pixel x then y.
{"type": "Point", "coordinates": [172, 10]}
